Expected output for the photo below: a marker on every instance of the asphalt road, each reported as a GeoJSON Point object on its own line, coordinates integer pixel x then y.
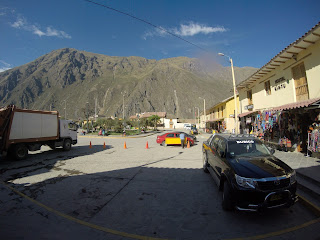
{"type": "Point", "coordinates": [117, 193]}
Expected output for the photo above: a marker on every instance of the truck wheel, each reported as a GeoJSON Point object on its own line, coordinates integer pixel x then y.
{"type": "Point", "coordinates": [205, 162]}
{"type": "Point", "coordinates": [67, 145]}
{"type": "Point", "coordinates": [227, 203]}
{"type": "Point", "coordinates": [20, 152]}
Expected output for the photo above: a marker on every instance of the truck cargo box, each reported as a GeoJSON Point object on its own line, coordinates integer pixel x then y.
{"type": "Point", "coordinates": [34, 125]}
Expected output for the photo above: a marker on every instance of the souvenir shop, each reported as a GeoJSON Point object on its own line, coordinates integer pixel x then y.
{"type": "Point", "coordinates": [217, 125]}
{"type": "Point", "coordinates": [285, 129]}
{"type": "Point", "coordinates": [314, 138]}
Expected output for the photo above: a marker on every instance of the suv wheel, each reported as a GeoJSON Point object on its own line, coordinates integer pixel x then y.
{"type": "Point", "coordinates": [227, 203]}
{"type": "Point", "coordinates": [205, 162]}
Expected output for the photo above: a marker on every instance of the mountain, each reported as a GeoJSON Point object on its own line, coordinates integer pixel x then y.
{"type": "Point", "coordinates": [81, 81]}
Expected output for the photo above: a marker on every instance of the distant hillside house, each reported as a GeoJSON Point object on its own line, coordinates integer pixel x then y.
{"type": "Point", "coordinates": [162, 116]}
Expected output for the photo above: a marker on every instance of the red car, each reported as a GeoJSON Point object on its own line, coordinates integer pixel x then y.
{"type": "Point", "coordinates": [161, 138]}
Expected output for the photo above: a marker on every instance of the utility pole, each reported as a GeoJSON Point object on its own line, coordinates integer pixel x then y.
{"type": "Point", "coordinates": [65, 109]}
{"type": "Point", "coordinates": [204, 112]}
{"type": "Point", "coordinates": [87, 117]}
{"type": "Point", "coordinates": [198, 115]}
{"type": "Point", "coordinates": [95, 111]}
{"type": "Point", "coordinates": [123, 93]}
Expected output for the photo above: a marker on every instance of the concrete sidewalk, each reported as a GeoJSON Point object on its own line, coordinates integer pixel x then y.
{"type": "Point", "coordinates": [307, 166]}
{"type": "Point", "coordinates": [308, 175]}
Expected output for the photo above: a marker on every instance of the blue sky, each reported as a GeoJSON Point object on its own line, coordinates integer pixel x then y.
{"type": "Point", "coordinates": [251, 32]}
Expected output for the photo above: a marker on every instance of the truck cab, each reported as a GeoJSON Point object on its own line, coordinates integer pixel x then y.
{"type": "Point", "coordinates": [68, 129]}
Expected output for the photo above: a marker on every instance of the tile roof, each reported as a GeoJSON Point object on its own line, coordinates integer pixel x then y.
{"type": "Point", "coordinates": [294, 105]}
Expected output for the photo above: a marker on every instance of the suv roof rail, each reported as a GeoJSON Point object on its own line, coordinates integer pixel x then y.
{"type": "Point", "coordinates": [241, 135]}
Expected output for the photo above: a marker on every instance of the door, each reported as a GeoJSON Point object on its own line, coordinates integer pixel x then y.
{"type": "Point", "coordinates": [213, 154]}
{"type": "Point", "coordinates": [300, 82]}
{"type": "Point", "coordinates": [220, 156]}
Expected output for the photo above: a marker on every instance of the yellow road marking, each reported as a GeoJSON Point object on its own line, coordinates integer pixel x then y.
{"type": "Point", "coordinates": [277, 233]}
{"type": "Point", "coordinates": [103, 229]}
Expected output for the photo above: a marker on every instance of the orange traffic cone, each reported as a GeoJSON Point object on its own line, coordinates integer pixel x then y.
{"type": "Point", "coordinates": [90, 146]}
{"type": "Point", "coordinates": [104, 145]}
{"type": "Point", "coordinates": [188, 146]}
{"type": "Point", "coordinates": [147, 145]}
{"type": "Point", "coordinates": [125, 145]}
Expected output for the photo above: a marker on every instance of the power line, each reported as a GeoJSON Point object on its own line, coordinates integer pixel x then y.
{"type": "Point", "coordinates": [146, 22]}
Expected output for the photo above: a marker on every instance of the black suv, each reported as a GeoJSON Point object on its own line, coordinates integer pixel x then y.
{"type": "Point", "coordinates": [250, 177]}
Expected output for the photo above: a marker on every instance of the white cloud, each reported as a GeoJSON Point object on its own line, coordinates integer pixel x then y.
{"type": "Point", "coordinates": [19, 23]}
{"type": "Point", "coordinates": [4, 66]}
{"type": "Point", "coordinates": [194, 28]}
{"type": "Point", "coordinates": [184, 30]}
{"type": "Point", "coordinates": [23, 24]}
{"type": "Point", "coordinates": [157, 32]}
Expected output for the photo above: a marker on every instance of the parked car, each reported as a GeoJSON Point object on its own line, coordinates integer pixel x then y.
{"type": "Point", "coordinates": [193, 131]}
{"type": "Point", "coordinates": [187, 126]}
{"type": "Point", "coordinates": [161, 138]}
{"type": "Point", "coordinates": [247, 173]}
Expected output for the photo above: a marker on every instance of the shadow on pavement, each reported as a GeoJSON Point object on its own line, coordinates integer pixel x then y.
{"type": "Point", "coordinates": [176, 203]}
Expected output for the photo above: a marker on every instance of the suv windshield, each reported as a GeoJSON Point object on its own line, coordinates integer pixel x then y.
{"type": "Point", "coordinates": [247, 147]}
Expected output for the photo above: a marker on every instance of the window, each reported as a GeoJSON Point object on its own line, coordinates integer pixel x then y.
{"type": "Point", "coordinates": [218, 112]}
{"type": "Point", "coordinates": [170, 135]}
{"type": "Point", "coordinates": [267, 87]}
{"type": "Point", "coordinates": [222, 111]}
{"type": "Point", "coordinates": [249, 96]}
{"type": "Point", "coordinates": [214, 143]}
{"type": "Point", "coordinates": [72, 126]}
{"type": "Point", "coordinates": [300, 82]}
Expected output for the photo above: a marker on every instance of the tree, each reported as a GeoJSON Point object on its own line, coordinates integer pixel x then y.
{"type": "Point", "coordinates": [144, 122]}
{"type": "Point", "coordinates": [154, 120]}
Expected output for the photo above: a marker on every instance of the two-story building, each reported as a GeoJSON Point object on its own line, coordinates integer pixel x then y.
{"type": "Point", "coordinates": [281, 100]}
{"type": "Point", "coordinates": [220, 117]}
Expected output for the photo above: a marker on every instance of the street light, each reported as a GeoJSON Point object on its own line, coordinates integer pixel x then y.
{"type": "Point", "coordinates": [204, 112]}
{"type": "Point", "coordinates": [234, 93]}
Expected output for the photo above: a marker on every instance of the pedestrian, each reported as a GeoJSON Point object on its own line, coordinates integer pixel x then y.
{"type": "Point", "coordinates": [182, 138]}
{"type": "Point", "coordinates": [124, 133]}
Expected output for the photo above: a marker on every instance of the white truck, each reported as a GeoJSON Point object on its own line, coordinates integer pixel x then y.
{"type": "Point", "coordinates": [23, 130]}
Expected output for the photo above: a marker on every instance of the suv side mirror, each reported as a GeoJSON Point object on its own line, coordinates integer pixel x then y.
{"type": "Point", "coordinates": [222, 153]}
{"type": "Point", "coordinates": [272, 151]}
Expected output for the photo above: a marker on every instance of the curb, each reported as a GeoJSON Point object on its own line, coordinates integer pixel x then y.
{"type": "Point", "coordinates": [116, 137]}
{"type": "Point", "coordinates": [315, 209]}
{"type": "Point", "coordinates": [308, 178]}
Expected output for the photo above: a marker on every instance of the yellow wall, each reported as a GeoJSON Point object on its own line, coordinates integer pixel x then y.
{"type": "Point", "coordinates": [285, 95]}
{"type": "Point", "coordinates": [228, 109]}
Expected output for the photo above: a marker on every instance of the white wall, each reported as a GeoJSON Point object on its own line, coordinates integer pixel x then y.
{"type": "Point", "coordinates": [311, 59]}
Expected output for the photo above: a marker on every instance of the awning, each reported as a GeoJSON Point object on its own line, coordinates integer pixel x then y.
{"type": "Point", "coordinates": [246, 114]}
{"type": "Point", "coordinates": [216, 120]}
{"type": "Point", "coordinates": [300, 104]}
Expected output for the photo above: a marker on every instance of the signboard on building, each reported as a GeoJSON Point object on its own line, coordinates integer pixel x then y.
{"type": "Point", "coordinates": [248, 107]}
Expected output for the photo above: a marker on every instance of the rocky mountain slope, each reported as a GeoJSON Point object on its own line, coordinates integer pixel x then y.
{"type": "Point", "coordinates": [81, 80]}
